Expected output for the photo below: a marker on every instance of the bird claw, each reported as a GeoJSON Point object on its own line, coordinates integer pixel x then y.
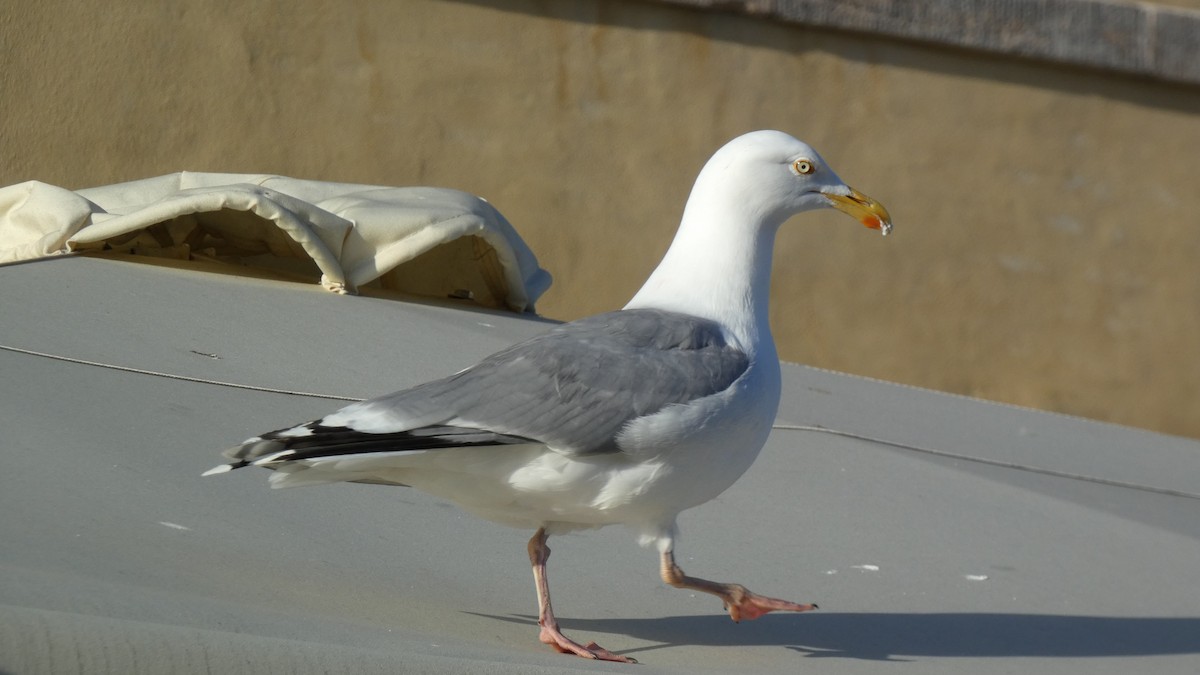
{"type": "Point", "coordinates": [743, 604]}
{"type": "Point", "coordinates": [591, 650]}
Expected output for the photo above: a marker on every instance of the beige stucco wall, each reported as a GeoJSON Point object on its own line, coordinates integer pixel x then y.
{"type": "Point", "coordinates": [1045, 253]}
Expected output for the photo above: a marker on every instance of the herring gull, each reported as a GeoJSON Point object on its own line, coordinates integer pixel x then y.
{"type": "Point", "coordinates": [626, 417]}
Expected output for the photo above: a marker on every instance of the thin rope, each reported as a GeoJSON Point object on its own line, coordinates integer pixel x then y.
{"type": "Point", "coordinates": [990, 462]}
{"type": "Point", "coordinates": [173, 376]}
{"type": "Point", "coordinates": [782, 427]}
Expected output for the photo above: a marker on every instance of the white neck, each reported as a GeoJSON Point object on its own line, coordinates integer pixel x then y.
{"type": "Point", "coordinates": [719, 266]}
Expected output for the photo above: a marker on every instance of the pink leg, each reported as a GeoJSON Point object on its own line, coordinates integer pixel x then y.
{"type": "Point", "coordinates": [539, 553]}
{"type": "Point", "coordinates": [741, 603]}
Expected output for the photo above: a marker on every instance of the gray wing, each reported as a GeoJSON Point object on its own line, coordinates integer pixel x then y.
{"type": "Point", "coordinates": [575, 387]}
{"type": "Point", "coordinates": [572, 388]}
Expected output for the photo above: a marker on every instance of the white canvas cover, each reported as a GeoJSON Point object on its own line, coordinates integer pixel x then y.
{"type": "Point", "coordinates": [419, 240]}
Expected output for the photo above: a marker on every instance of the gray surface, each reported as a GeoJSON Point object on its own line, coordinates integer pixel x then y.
{"type": "Point", "coordinates": [101, 468]}
{"type": "Point", "coordinates": [1140, 38]}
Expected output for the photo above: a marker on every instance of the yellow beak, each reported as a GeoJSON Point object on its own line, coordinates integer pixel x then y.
{"type": "Point", "coordinates": [863, 209]}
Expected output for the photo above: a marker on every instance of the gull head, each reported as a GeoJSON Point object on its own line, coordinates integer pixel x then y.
{"type": "Point", "coordinates": [778, 176]}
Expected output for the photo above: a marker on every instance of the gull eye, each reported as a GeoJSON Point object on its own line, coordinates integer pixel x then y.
{"type": "Point", "coordinates": [803, 167]}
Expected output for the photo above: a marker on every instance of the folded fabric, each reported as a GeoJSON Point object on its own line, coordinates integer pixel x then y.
{"type": "Point", "coordinates": [418, 240]}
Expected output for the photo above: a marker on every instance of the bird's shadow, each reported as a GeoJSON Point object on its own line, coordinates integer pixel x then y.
{"type": "Point", "coordinates": [907, 636]}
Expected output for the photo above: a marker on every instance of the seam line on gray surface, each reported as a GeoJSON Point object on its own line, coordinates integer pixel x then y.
{"type": "Point", "coordinates": [172, 376]}
{"type": "Point", "coordinates": [782, 427]}
{"type": "Point", "coordinates": [990, 462]}
{"type": "Point", "coordinates": [975, 399]}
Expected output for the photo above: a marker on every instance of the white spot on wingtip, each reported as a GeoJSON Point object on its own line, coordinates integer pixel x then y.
{"type": "Point", "coordinates": [273, 456]}
{"type": "Point", "coordinates": [295, 432]}
{"type": "Point", "coordinates": [224, 468]}
{"type": "Point", "coordinates": [174, 526]}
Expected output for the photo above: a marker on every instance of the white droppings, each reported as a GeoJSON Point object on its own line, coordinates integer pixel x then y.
{"type": "Point", "coordinates": [976, 577]}
{"type": "Point", "coordinates": [866, 568]}
{"type": "Point", "coordinates": [1066, 224]}
{"type": "Point", "coordinates": [1018, 264]}
{"type": "Point", "coordinates": [174, 526]}
{"type": "Point", "coordinates": [830, 571]}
